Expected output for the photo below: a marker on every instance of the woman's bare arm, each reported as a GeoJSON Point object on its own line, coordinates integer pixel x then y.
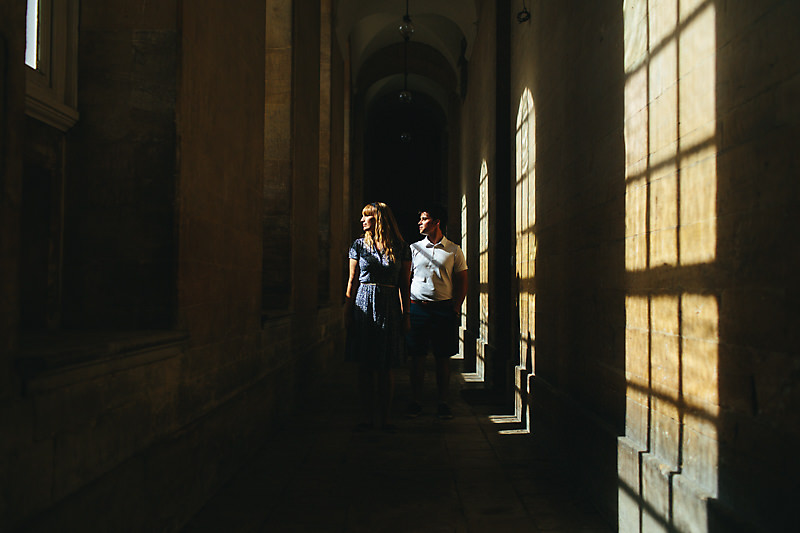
{"type": "Point", "coordinates": [350, 295]}
{"type": "Point", "coordinates": [405, 293]}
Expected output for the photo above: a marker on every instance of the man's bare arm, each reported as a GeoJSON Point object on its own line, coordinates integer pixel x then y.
{"type": "Point", "coordinates": [459, 289]}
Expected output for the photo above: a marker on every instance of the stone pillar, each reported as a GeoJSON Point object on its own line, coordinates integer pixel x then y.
{"type": "Point", "coordinates": [502, 211]}
{"type": "Point", "coordinates": [325, 197]}
{"type": "Point", "coordinates": [305, 163]}
{"type": "Point", "coordinates": [277, 190]}
{"type": "Point", "coordinates": [12, 93]}
{"type": "Point", "coordinates": [357, 171]}
{"type": "Point", "coordinates": [339, 177]}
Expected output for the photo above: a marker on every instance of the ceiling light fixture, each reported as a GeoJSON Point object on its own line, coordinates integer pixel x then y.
{"type": "Point", "coordinates": [406, 30]}
{"type": "Point", "coordinates": [524, 15]}
{"type": "Point", "coordinates": [406, 27]}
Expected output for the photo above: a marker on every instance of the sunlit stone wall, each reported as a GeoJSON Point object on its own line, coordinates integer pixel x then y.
{"type": "Point", "coordinates": [668, 457]}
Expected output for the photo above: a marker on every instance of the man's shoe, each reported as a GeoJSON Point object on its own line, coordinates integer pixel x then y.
{"type": "Point", "coordinates": [444, 412]}
{"type": "Point", "coordinates": [414, 410]}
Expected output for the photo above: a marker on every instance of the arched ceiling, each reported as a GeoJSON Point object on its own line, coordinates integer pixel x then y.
{"type": "Point", "coordinates": [371, 27]}
{"type": "Point", "coordinates": [428, 72]}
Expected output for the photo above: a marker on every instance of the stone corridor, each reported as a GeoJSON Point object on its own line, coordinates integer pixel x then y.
{"type": "Point", "coordinates": [469, 474]}
{"type": "Point", "coordinates": [180, 182]}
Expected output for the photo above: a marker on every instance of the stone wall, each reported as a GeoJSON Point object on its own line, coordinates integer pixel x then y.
{"type": "Point", "coordinates": [657, 292]}
{"type": "Point", "coordinates": [478, 153]}
{"type": "Point", "coordinates": [70, 427]}
{"type": "Point", "coordinates": [42, 226]}
{"type": "Point", "coordinates": [570, 227]}
{"type": "Point", "coordinates": [123, 427]}
{"type": "Point", "coordinates": [758, 124]}
{"type": "Point", "coordinates": [119, 192]}
{"type": "Point", "coordinates": [277, 187]}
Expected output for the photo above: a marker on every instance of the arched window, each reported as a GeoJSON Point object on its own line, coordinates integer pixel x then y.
{"type": "Point", "coordinates": [525, 247]}
{"type": "Point", "coordinates": [463, 328]}
{"type": "Point", "coordinates": [483, 251]}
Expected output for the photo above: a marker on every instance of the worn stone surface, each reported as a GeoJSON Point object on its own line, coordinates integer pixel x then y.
{"type": "Point", "coordinates": [319, 474]}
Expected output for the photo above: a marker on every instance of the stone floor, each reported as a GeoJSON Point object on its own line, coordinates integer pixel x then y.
{"type": "Point", "coordinates": [470, 474]}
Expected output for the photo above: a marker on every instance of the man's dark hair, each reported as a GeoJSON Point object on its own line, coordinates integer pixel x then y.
{"type": "Point", "coordinates": [436, 212]}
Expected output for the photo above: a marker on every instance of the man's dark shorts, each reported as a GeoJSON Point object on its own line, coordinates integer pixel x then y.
{"type": "Point", "coordinates": [433, 324]}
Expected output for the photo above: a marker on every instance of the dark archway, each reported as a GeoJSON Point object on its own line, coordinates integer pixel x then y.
{"type": "Point", "coordinates": [405, 173]}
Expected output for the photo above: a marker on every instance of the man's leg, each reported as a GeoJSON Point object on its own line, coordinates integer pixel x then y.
{"type": "Point", "coordinates": [443, 378]}
{"type": "Point", "coordinates": [446, 345]}
{"type": "Point", "coordinates": [443, 386]}
{"type": "Point", "coordinates": [417, 377]}
{"type": "Point", "coordinates": [417, 344]}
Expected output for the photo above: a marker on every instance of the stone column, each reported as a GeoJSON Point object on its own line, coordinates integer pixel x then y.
{"type": "Point", "coordinates": [305, 163]}
{"type": "Point", "coordinates": [277, 191]}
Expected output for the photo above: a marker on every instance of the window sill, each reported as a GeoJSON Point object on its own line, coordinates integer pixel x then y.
{"type": "Point", "coordinates": [51, 359]}
{"type": "Point", "coordinates": [48, 110]}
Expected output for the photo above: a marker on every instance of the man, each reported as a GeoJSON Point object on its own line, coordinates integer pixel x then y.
{"type": "Point", "coordinates": [438, 287]}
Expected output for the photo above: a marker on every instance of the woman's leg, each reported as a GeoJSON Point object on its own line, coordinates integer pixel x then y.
{"type": "Point", "coordinates": [385, 393]}
{"type": "Point", "coordinates": [366, 389]}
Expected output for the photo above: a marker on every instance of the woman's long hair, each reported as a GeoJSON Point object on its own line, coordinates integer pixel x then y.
{"type": "Point", "coordinates": [386, 232]}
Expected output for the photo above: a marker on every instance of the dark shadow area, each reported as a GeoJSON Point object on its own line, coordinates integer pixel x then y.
{"type": "Point", "coordinates": [405, 157]}
{"type": "Point", "coordinates": [757, 248]}
{"type": "Point", "coordinates": [40, 295]}
{"type": "Point", "coordinates": [462, 474]}
{"type": "Point", "coordinates": [120, 251]}
{"type": "Point", "coordinates": [501, 271]}
{"type": "Point", "coordinates": [578, 391]}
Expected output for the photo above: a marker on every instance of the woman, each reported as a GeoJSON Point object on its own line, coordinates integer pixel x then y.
{"type": "Point", "coordinates": [376, 309]}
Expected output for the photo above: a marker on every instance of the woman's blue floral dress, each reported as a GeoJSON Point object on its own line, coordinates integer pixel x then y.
{"type": "Point", "coordinates": [376, 337]}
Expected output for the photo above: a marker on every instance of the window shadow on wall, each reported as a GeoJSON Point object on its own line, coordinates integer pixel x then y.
{"type": "Point", "coordinates": [667, 459]}
{"type": "Point", "coordinates": [709, 341]}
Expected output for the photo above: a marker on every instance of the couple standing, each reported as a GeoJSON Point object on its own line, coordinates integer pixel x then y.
{"type": "Point", "coordinates": [398, 297]}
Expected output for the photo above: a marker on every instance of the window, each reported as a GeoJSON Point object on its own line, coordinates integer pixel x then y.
{"type": "Point", "coordinates": [483, 254]}
{"type": "Point", "coordinates": [32, 35]}
{"type": "Point", "coordinates": [51, 54]}
{"type": "Point", "coordinates": [526, 250]}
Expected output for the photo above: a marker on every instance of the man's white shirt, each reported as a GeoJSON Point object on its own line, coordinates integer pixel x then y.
{"type": "Point", "coordinates": [432, 269]}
